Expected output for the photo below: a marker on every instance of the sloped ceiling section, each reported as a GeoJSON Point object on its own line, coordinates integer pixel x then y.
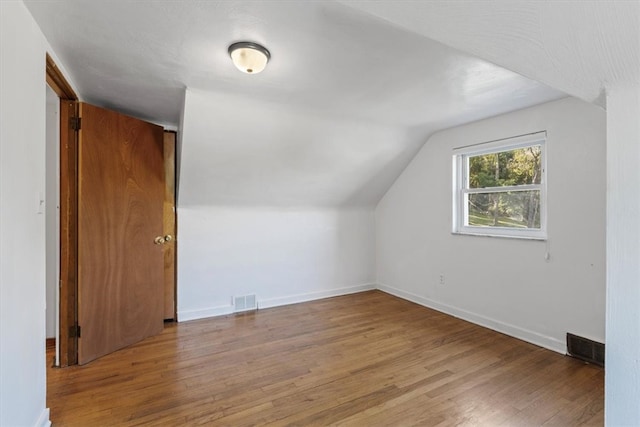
{"type": "Point", "coordinates": [578, 47]}
{"type": "Point", "coordinates": [273, 154]}
{"type": "Point", "coordinates": [344, 104]}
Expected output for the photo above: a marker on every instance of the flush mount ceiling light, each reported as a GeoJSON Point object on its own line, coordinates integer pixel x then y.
{"type": "Point", "coordinates": [248, 57]}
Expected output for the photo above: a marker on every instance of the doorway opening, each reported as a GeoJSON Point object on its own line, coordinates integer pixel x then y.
{"type": "Point", "coordinates": [61, 215]}
{"type": "Point", "coordinates": [52, 220]}
{"type": "Point", "coordinates": [65, 130]}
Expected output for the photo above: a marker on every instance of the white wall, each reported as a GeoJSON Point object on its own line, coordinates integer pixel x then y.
{"type": "Point", "coordinates": [622, 377]}
{"type": "Point", "coordinates": [281, 255]}
{"type": "Point", "coordinates": [22, 248]}
{"type": "Point", "coordinates": [506, 284]}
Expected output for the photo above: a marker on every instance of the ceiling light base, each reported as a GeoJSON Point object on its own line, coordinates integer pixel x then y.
{"type": "Point", "coordinates": [249, 57]}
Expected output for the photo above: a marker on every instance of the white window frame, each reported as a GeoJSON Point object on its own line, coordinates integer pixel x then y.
{"type": "Point", "coordinates": [461, 188]}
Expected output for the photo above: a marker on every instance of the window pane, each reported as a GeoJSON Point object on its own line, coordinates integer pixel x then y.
{"type": "Point", "coordinates": [515, 167]}
{"type": "Point", "coordinates": [514, 209]}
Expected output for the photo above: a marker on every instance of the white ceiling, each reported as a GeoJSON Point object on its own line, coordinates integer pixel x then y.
{"type": "Point", "coordinates": [344, 104]}
{"type": "Point", "coordinates": [580, 47]}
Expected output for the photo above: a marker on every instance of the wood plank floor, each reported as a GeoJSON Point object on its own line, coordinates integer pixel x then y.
{"type": "Point", "coordinates": [367, 359]}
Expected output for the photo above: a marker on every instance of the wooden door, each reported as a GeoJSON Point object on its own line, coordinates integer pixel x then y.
{"type": "Point", "coordinates": [120, 213]}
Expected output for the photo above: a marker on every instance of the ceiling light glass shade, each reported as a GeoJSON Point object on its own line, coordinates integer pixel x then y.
{"type": "Point", "coordinates": [248, 57]}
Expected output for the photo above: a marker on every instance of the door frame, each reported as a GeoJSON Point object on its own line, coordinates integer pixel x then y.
{"type": "Point", "coordinates": [68, 308]}
{"type": "Point", "coordinates": [170, 225]}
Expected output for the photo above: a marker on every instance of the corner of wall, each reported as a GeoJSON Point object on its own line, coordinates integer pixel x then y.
{"type": "Point", "coordinates": [414, 244]}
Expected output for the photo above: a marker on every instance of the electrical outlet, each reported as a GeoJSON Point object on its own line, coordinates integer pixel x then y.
{"type": "Point", "coordinates": [442, 279]}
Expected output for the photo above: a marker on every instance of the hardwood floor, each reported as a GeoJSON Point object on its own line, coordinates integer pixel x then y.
{"type": "Point", "coordinates": [367, 359]}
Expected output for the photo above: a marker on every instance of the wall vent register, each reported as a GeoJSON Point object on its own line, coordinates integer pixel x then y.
{"type": "Point", "coordinates": [245, 303]}
{"type": "Point", "coordinates": [585, 349]}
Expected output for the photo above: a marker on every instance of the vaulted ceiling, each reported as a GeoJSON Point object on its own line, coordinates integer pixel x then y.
{"type": "Point", "coordinates": [351, 93]}
{"type": "Point", "coordinates": [578, 47]}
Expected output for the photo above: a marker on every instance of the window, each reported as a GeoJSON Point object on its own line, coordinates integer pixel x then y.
{"type": "Point", "coordinates": [500, 188]}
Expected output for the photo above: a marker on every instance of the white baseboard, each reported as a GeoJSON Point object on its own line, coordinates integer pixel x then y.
{"type": "Point", "coordinates": [505, 328]}
{"type": "Point", "coordinates": [294, 299]}
{"type": "Point", "coordinates": [43, 419]}
{"type": "Point", "coordinates": [186, 315]}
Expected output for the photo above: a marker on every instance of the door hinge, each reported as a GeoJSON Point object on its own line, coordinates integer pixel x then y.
{"type": "Point", "coordinates": [74, 331]}
{"type": "Point", "coordinates": [75, 123]}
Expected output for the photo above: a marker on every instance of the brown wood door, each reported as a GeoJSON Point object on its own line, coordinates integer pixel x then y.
{"type": "Point", "coordinates": [120, 212]}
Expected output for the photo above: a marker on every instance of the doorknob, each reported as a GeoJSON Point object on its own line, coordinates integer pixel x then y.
{"type": "Point", "coordinates": [159, 240]}
{"type": "Point", "coordinates": [168, 238]}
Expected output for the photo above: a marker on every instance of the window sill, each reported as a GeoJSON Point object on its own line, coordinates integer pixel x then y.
{"type": "Point", "coordinates": [500, 236]}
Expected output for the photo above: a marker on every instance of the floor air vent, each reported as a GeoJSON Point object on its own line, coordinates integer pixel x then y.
{"type": "Point", "coordinates": [585, 349]}
{"type": "Point", "coordinates": [244, 303]}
